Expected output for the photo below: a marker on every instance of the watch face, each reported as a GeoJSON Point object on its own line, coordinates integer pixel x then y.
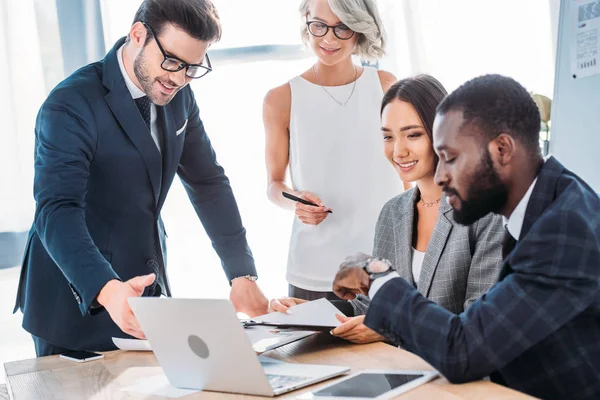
{"type": "Point", "coordinates": [377, 266]}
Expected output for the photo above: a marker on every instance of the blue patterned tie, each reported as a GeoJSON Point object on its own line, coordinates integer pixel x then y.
{"type": "Point", "coordinates": [143, 104]}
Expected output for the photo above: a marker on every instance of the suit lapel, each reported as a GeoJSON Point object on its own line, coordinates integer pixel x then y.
{"type": "Point", "coordinates": [436, 245]}
{"type": "Point", "coordinates": [403, 230]}
{"type": "Point", "coordinates": [543, 193]}
{"type": "Point", "coordinates": [125, 111]}
{"type": "Point", "coordinates": [542, 196]}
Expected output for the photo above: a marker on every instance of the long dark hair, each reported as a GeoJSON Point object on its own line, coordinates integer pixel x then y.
{"type": "Point", "coordinates": [424, 93]}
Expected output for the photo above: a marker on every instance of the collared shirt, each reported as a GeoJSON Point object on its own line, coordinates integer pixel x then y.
{"type": "Point", "coordinates": [515, 221]}
{"type": "Point", "coordinates": [379, 282]}
{"type": "Point", "coordinates": [136, 93]}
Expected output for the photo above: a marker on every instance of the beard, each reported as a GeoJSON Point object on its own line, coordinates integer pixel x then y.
{"type": "Point", "coordinates": [140, 70]}
{"type": "Point", "coordinates": [486, 194]}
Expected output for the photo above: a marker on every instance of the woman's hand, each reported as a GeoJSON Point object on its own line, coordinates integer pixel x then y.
{"type": "Point", "coordinates": [283, 304]}
{"type": "Point", "coordinates": [353, 330]}
{"type": "Point", "coordinates": [311, 215]}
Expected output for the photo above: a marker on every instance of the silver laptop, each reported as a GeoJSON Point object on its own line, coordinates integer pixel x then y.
{"type": "Point", "coordinates": [201, 344]}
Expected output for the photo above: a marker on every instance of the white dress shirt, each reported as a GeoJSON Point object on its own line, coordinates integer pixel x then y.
{"type": "Point", "coordinates": [136, 93]}
{"type": "Point", "coordinates": [379, 282]}
{"type": "Point", "coordinates": [417, 263]}
{"type": "Point", "coordinates": [515, 221]}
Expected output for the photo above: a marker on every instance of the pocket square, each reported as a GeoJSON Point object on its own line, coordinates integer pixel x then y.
{"type": "Point", "coordinates": [181, 129]}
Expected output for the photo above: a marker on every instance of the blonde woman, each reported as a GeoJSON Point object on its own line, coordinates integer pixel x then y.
{"type": "Point", "coordinates": [323, 125]}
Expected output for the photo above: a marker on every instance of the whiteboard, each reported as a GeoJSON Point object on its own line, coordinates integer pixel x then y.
{"type": "Point", "coordinates": [575, 132]}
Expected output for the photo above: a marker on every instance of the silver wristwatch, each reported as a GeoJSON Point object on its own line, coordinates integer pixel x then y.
{"type": "Point", "coordinates": [251, 278]}
{"type": "Point", "coordinates": [377, 267]}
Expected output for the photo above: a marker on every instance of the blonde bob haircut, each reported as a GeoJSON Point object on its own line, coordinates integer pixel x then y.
{"type": "Point", "coordinates": [363, 18]}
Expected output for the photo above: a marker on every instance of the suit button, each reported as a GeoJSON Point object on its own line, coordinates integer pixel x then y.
{"type": "Point", "coordinates": [152, 263]}
{"type": "Point", "coordinates": [77, 298]}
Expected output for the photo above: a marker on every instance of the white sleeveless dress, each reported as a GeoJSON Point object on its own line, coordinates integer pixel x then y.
{"type": "Point", "coordinates": [336, 152]}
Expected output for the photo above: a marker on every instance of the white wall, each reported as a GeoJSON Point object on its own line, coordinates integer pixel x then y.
{"type": "Point", "coordinates": [575, 132]}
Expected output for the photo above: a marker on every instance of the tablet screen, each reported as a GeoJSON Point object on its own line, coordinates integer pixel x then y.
{"type": "Point", "coordinates": [367, 385]}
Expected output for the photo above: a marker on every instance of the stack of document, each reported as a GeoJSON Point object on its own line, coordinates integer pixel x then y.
{"type": "Point", "coordinates": [272, 330]}
{"type": "Point", "coordinates": [303, 320]}
{"type": "Point", "coordinates": [265, 338]}
{"type": "Point", "coordinates": [262, 338]}
{"type": "Point", "coordinates": [312, 315]}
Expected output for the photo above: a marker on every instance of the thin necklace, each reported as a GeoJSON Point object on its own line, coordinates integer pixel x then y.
{"type": "Point", "coordinates": [429, 205]}
{"type": "Point", "coordinates": [330, 95]}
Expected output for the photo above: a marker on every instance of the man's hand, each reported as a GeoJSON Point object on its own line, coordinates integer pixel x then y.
{"type": "Point", "coordinates": [351, 279]}
{"type": "Point", "coordinates": [283, 304]}
{"type": "Point", "coordinates": [354, 330]}
{"type": "Point", "coordinates": [247, 297]}
{"type": "Point", "coordinates": [355, 260]}
{"type": "Point", "coordinates": [113, 296]}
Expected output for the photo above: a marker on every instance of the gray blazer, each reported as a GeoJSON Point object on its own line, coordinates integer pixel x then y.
{"type": "Point", "coordinates": [461, 262]}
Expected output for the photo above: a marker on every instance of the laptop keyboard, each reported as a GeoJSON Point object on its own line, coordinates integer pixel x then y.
{"type": "Point", "coordinates": [283, 381]}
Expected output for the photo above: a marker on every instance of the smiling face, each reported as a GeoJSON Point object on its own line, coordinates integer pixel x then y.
{"type": "Point", "coordinates": [329, 49]}
{"type": "Point", "coordinates": [160, 85]}
{"type": "Point", "coordinates": [466, 170]}
{"type": "Point", "coordinates": [406, 143]}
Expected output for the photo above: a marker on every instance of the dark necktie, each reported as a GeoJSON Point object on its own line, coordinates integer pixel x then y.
{"type": "Point", "coordinates": [508, 243]}
{"type": "Point", "coordinates": [143, 104]}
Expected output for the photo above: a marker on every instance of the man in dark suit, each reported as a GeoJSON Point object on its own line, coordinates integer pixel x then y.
{"type": "Point", "coordinates": [538, 329]}
{"type": "Point", "coordinates": [109, 140]}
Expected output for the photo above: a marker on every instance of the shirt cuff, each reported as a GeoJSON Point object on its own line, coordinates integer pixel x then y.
{"type": "Point", "coordinates": [379, 282]}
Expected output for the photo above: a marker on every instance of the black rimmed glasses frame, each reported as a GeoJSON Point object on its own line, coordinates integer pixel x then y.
{"type": "Point", "coordinates": [174, 64]}
{"type": "Point", "coordinates": [312, 28]}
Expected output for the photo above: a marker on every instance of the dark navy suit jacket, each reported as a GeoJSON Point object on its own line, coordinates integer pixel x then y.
{"type": "Point", "coordinates": [100, 183]}
{"type": "Point", "coordinates": [538, 329]}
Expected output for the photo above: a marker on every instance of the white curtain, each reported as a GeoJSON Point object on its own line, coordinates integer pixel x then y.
{"type": "Point", "coordinates": [460, 39]}
{"type": "Point", "coordinates": [22, 80]}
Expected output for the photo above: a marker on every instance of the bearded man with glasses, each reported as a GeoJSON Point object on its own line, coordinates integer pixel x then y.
{"type": "Point", "coordinates": [109, 140]}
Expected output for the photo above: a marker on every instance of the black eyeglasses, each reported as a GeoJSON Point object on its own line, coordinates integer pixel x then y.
{"type": "Point", "coordinates": [174, 64]}
{"type": "Point", "coordinates": [320, 29]}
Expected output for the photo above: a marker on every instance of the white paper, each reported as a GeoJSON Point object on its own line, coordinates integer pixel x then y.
{"type": "Point", "coordinates": [268, 360]}
{"type": "Point", "coordinates": [265, 339]}
{"type": "Point", "coordinates": [585, 53]}
{"type": "Point", "coordinates": [157, 386]}
{"type": "Point", "coordinates": [262, 339]}
{"type": "Point", "coordinates": [318, 313]}
{"type": "Point", "coordinates": [132, 344]}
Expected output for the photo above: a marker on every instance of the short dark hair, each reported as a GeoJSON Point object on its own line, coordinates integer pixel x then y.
{"type": "Point", "coordinates": [424, 93]}
{"type": "Point", "coordinates": [497, 104]}
{"type": "Point", "coordinates": [198, 18]}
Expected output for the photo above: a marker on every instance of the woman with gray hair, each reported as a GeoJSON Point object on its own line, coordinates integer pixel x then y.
{"type": "Point", "coordinates": [323, 125]}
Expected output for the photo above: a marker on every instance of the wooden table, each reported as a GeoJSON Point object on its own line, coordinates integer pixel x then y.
{"type": "Point", "coordinates": [55, 378]}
